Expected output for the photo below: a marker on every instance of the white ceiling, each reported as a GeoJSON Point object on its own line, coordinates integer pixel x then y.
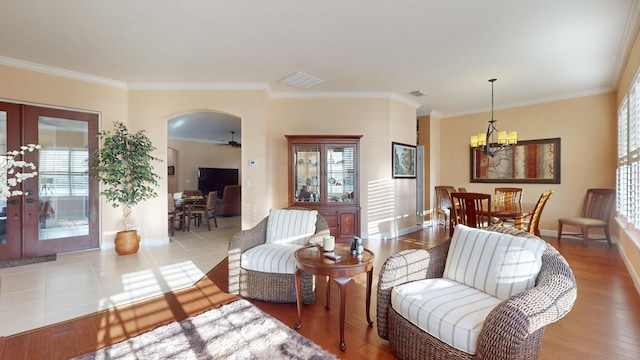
{"type": "Point", "coordinates": [205, 126]}
{"type": "Point", "coordinates": [539, 50]}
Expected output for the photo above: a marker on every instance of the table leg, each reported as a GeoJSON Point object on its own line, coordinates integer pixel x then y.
{"type": "Point", "coordinates": [299, 297]}
{"type": "Point", "coordinates": [369, 283]}
{"type": "Point", "coordinates": [342, 283]}
{"type": "Point", "coordinates": [327, 306]}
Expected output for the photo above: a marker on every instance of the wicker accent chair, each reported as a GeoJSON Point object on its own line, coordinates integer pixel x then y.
{"type": "Point", "coordinates": [513, 329]}
{"type": "Point", "coordinates": [268, 286]}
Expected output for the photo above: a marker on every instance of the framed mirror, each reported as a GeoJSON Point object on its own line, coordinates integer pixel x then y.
{"type": "Point", "coordinates": [529, 161]}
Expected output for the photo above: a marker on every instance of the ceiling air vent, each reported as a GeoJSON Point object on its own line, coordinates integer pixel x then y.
{"type": "Point", "coordinates": [417, 93]}
{"type": "Point", "coordinates": [302, 81]}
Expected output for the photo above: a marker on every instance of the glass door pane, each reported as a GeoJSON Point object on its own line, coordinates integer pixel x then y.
{"type": "Point", "coordinates": [10, 209]}
{"type": "Point", "coordinates": [63, 179]}
{"type": "Point", "coordinates": [340, 173]}
{"type": "Point", "coordinates": [307, 173]}
{"type": "Point", "coordinates": [60, 211]}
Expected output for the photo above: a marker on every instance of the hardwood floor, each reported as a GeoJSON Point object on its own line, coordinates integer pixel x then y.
{"type": "Point", "coordinates": [604, 322]}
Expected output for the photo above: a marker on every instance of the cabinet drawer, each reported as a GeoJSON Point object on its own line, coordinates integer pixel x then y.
{"type": "Point", "coordinates": [330, 217]}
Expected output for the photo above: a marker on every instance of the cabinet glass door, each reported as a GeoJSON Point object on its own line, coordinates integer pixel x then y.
{"type": "Point", "coordinates": [340, 173]}
{"type": "Point", "coordinates": [307, 173]}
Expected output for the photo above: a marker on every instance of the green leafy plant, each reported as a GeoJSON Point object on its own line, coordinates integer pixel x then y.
{"type": "Point", "coordinates": [124, 165]}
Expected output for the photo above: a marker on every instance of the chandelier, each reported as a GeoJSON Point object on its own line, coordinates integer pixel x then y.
{"type": "Point", "coordinates": [494, 141]}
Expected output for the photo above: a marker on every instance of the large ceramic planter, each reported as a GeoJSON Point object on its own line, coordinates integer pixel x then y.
{"type": "Point", "coordinates": [127, 242]}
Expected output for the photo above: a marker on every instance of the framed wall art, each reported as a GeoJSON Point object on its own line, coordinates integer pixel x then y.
{"type": "Point", "coordinates": [403, 160]}
{"type": "Point", "coordinates": [529, 161]}
{"type": "Point", "coordinates": [171, 170]}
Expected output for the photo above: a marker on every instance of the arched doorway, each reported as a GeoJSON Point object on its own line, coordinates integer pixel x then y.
{"type": "Point", "coordinates": [200, 144]}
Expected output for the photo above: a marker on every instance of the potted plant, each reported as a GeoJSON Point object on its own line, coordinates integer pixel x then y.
{"type": "Point", "coordinates": [10, 174]}
{"type": "Point", "coordinates": [124, 166]}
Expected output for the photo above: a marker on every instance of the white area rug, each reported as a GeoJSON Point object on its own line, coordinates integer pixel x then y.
{"type": "Point", "coordinates": [238, 330]}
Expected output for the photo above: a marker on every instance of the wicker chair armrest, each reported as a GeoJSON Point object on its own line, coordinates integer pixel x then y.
{"type": "Point", "coordinates": [246, 239]}
{"type": "Point", "coordinates": [406, 266]}
{"type": "Point", "coordinates": [322, 230]}
{"type": "Point", "coordinates": [512, 321]}
{"type": "Point", "coordinates": [239, 243]}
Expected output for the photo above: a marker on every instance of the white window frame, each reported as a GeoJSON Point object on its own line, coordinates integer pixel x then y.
{"type": "Point", "coordinates": [628, 169]}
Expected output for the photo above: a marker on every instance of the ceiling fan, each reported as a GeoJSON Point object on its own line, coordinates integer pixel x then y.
{"type": "Point", "coordinates": [233, 142]}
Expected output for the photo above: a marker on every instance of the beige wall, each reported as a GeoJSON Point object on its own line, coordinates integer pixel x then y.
{"type": "Point", "coordinates": [628, 237]}
{"type": "Point", "coordinates": [587, 128]}
{"type": "Point", "coordinates": [151, 109]}
{"type": "Point", "coordinates": [264, 122]}
{"type": "Point", "coordinates": [388, 205]}
{"type": "Point", "coordinates": [41, 89]}
{"type": "Point", "coordinates": [190, 155]}
{"type": "Point", "coordinates": [424, 139]}
{"type": "Point", "coordinates": [172, 180]}
{"type": "Point", "coordinates": [429, 136]}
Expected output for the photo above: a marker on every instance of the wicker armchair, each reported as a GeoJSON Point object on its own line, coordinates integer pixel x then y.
{"type": "Point", "coordinates": [272, 287]}
{"type": "Point", "coordinates": [512, 330]}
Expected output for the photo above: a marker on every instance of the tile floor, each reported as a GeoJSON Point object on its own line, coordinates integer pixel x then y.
{"type": "Point", "coordinates": [80, 283]}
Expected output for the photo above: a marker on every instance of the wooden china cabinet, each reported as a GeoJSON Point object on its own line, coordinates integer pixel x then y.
{"type": "Point", "coordinates": [324, 173]}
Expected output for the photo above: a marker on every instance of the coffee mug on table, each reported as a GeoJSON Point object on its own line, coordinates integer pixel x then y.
{"type": "Point", "coordinates": [328, 243]}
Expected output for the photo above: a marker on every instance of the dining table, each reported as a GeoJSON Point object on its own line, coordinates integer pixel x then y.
{"type": "Point", "coordinates": [185, 204]}
{"type": "Point", "coordinates": [517, 212]}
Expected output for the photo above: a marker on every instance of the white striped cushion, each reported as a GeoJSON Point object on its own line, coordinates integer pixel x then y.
{"type": "Point", "coordinates": [270, 258]}
{"type": "Point", "coordinates": [445, 309]}
{"type": "Point", "coordinates": [501, 265]}
{"type": "Point", "coordinates": [291, 226]}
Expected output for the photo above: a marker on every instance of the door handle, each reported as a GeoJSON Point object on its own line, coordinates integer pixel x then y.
{"type": "Point", "coordinates": [29, 201]}
{"type": "Point", "coordinates": [14, 201]}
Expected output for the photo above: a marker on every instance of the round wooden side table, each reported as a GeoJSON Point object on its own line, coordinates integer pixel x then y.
{"type": "Point", "coordinates": [312, 260]}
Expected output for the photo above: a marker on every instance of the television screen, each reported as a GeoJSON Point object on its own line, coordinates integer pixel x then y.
{"type": "Point", "coordinates": [215, 179]}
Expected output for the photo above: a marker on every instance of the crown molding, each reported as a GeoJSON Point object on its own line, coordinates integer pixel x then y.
{"type": "Point", "coordinates": [632, 23]}
{"type": "Point", "coordinates": [199, 86]}
{"type": "Point", "coordinates": [346, 95]}
{"type": "Point", "coordinates": [559, 97]}
{"type": "Point", "coordinates": [61, 72]}
{"type": "Point", "coordinates": [630, 32]}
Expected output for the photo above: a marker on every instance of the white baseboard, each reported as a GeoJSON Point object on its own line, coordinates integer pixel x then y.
{"type": "Point", "coordinates": [400, 232]}
{"type": "Point", "coordinates": [634, 276]}
{"type": "Point", "coordinates": [554, 234]}
{"type": "Point", "coordinates": [143, 242]}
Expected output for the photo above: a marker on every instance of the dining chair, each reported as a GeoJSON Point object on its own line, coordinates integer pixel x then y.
{"type": "Point", "coordinates": [471, 209]}
{"type": "Point", "coordinates": [508, 195]}
{"type": "Point", "coordinates": [204, 211]}
{"type": "Point", "coordinates": [174, 215]}
{"type": "Point", "coordinates": [596, 212]}
{"type": "Point", "coordinates": [533, 222]}
{"type": "Point", "coordinates": [443, 202]}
